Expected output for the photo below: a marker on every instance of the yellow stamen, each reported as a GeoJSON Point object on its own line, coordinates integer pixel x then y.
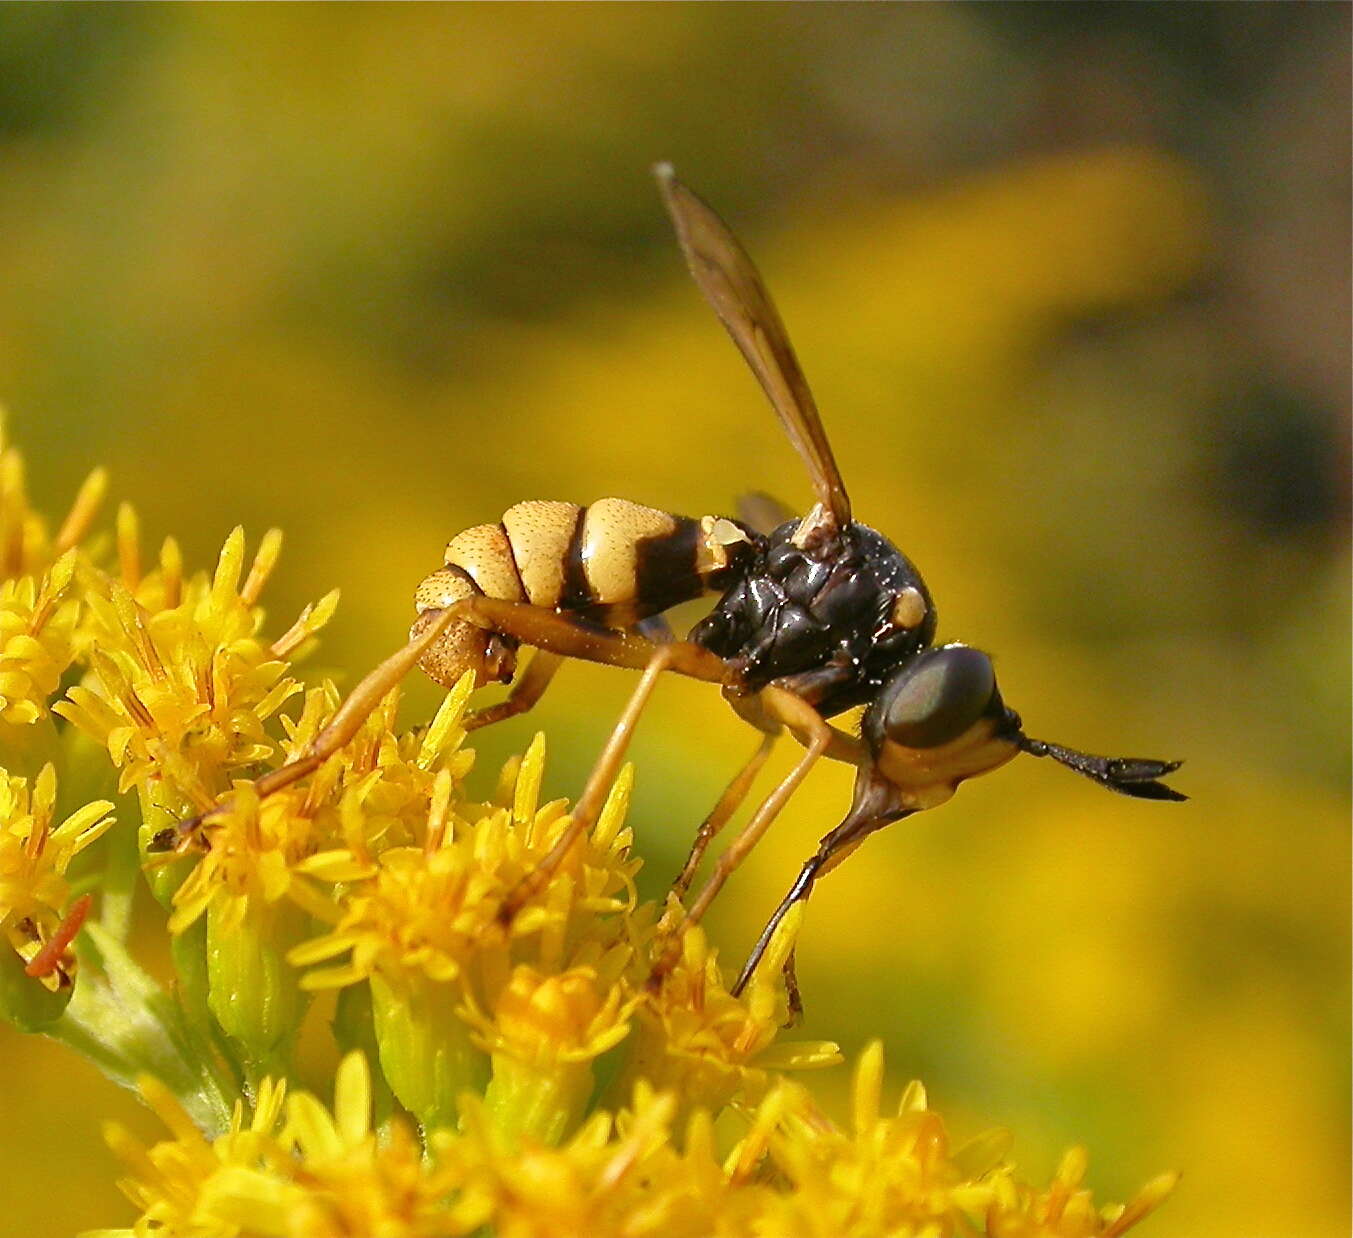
{"type": "Point", "coordinates": [88, 499]}
{"type": "Point", "coordinates": [128, 545]}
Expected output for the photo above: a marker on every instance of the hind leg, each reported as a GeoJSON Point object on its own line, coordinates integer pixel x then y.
{"type": "Point", "coordinates": [557, 634]}
{"type": "Point", "coordinates": [593, 797]}
{"type": "Point", "coordinates": [526, 692]}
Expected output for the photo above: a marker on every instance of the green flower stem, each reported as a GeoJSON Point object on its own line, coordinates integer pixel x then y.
{"type": "Point", "coordinates": [161, 808]}
{"type": "Point", "coordinates": [117, 885]}
{"type": "Point", "coordinates": [188, 950]}
{"type": "Point", "coordinates": [122, 1021]}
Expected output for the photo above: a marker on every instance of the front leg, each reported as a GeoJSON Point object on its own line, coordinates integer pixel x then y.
{"type": "Point", "coordinates": [877, 803]}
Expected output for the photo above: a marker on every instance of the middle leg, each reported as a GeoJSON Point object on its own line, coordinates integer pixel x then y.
{"type": "Point", "coordinates": [819, 739]}
{"type": "Point", "coordinates": [719, 815]}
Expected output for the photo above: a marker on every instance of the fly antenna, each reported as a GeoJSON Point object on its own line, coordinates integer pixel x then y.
{"type": "Point", "coordinates": [1135, 776]}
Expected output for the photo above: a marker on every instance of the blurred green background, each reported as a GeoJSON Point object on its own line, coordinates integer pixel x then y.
{"type": "Point", "coordinates": [1071, 283]}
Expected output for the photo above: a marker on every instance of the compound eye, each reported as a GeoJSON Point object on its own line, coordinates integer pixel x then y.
{"type": "Point", "coordinates": [938, 695]}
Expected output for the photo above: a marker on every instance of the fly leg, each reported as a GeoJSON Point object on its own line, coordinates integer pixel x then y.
{"type": "Point", "coordinates": [526, 692]}
{"type": "Point", "coordinates": [341, 728]}
{"type": "Point", "coordinates": [877, 803]}
{"type": "Point", "coordinates": [547, 630]}
{"type": "Point", "coordinates": [732, 797]}
{"type": "Point", "coordinates": [593, 797]}
{"type": "Point", "coordinates": [798, 893]}
{"type": "Point", "coordinates": [571, 637]}
{"type": "Point", "coordinates": [819, 739]}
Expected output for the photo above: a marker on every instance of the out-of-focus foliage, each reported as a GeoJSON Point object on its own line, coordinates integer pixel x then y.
{"type": "Point", "coordinates": [1072, 287]}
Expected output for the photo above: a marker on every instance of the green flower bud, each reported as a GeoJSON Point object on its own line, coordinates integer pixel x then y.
{"type": "Point", "coordinates": [162, 808]}
{"type": "Point", "coordinates": [253, 991]}
{"type": "Point", "coordinates": [425, 1048]}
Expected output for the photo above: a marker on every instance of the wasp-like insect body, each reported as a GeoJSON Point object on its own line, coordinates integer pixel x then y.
{"type": "Point", "coordinates": [816, 615]}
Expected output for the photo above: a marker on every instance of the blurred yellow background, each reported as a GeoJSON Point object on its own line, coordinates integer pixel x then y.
{"type": "Point", "coordinates": [1071, 284]}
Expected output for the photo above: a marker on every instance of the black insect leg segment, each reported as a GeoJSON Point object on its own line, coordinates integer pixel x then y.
{"type": "Point", "coordinates": [877, 803]}
{"type": "Point", "coordinates": [1135, 776]}
{"type": "Point", "coordinates": [800, 890]}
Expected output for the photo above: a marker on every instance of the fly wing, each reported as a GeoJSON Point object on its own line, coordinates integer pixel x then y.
{"type": "Point", "coordinates": [731, 284]}
{"type": "Point", "coordinates": [762, 513]}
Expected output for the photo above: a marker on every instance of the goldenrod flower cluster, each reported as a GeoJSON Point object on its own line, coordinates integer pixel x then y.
{"type": "Point", "coordinates": [510, 1075]}
{"type": "Point", "coordinates": [297, 1168]}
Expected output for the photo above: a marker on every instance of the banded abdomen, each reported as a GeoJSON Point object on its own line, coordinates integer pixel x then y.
{"type": "Point", "coordinates": [613, 562]}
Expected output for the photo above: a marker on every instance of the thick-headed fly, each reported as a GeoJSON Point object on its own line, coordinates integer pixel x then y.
{"type": "Point", "coordinates": [816, 615]}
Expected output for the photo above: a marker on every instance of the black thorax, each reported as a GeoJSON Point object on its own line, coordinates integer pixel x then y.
{"type": "Point", "coordinates": [819, 616]}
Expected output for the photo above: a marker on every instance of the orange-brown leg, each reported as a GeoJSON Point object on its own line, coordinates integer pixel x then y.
{"type": "Point", "coordinates": [345, 723]}
{"type": "Point", "coordinates": [571, 637]}
{"type": "Point", "coordinates": [819, 739]}
{"type": "Point", "coordinates": [756, 711]}
{"type": "Point", "coordinates": [598, 786]}
{"type": "Point", "coordinates": [526, 692]}
{"type": "Point", "coordinates": [728, 804]}
{"type": "Point", "coordinates": [547, 630]}
{"type": "Point", "coordinates": [557, 634]}
{"type": "Point", "coordinates": [356, 708]}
